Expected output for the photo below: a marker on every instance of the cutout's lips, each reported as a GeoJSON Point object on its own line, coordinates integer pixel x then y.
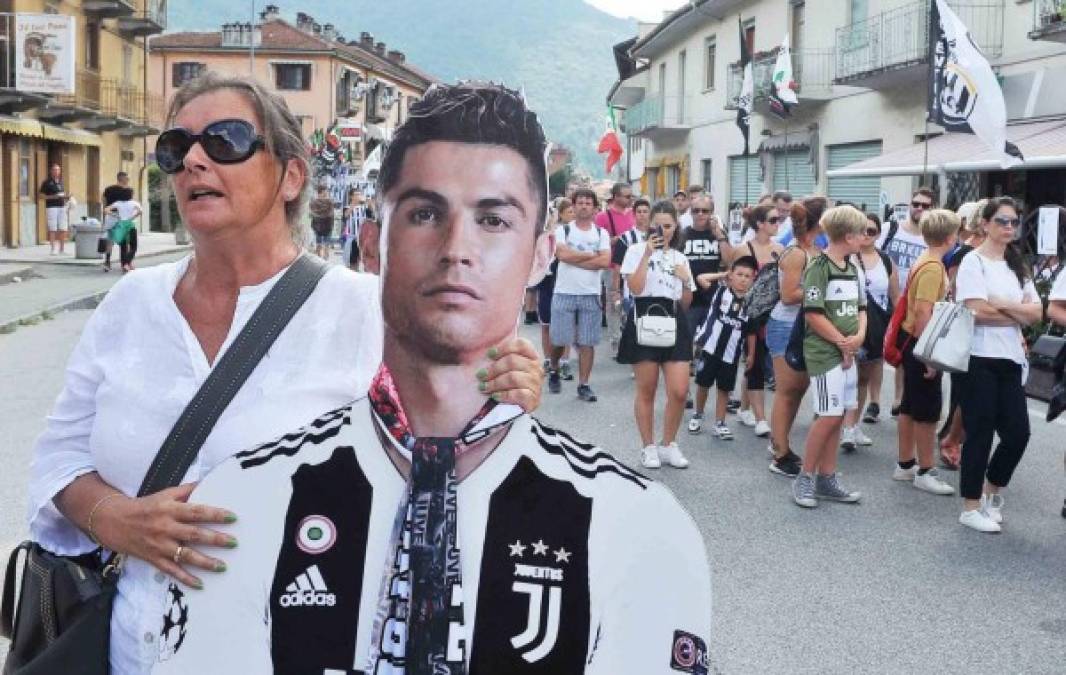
{"type": "Point", "coordinates": [452, 290]}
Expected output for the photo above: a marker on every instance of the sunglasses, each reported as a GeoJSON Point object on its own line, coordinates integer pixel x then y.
{"type": "Point", "coordinates": [920, 205]}
{"type": "Point", "coordinates": [1003, 221]}
{"type": "Point", "coordinates": [872, 232]}
{"type": "Point", "coordinates": [224, 141]}
{"type": "Point", "coordinates": [701, 210]}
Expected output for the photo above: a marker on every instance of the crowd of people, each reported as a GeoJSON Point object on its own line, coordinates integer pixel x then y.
{"type": "Point", "coordinates": [801, 302]}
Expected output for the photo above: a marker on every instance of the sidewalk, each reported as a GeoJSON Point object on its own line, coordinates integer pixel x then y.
{"type": "Point", "coordinates": [149, 244]}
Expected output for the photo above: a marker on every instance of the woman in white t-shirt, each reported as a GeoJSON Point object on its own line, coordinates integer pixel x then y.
{"type": "Point", "coordinates": [994, 283]}
{"type": "Point", "coordinates": [124, 231]}
{"type": "Point", "coordinates": [658, 276]}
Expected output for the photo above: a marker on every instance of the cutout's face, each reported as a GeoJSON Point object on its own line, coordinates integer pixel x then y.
{"type": "Point", "coordinates": [461, 244]}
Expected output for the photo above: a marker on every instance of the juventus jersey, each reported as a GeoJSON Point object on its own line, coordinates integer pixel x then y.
{"type": "Point", "coordinates": [722, 331]}
{"type": "Point", "coordinates": [571, 562]}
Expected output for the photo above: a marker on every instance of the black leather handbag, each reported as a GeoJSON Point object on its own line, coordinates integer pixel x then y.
{"type": "Point", "coordinates": [63, 620]}
{"type": "Point", "coordinates": [1046, 359]}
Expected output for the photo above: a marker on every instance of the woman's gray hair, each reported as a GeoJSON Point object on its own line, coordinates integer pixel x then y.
{"type": "Point", "coordinates": [280, 129]}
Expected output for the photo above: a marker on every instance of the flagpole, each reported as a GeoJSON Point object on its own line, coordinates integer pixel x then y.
{"type": "Point", "coordinates": [788, 184]}
{"type": "Point", "coordinates": [925, 160]}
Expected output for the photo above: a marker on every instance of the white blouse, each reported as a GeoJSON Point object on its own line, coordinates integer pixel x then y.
{"type": "Point", "coordinates": [136, 366]}
{"type": "Point", "coordinates": [661, 280]}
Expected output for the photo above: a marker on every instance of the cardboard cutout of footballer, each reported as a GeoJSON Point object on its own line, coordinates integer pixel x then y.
{"type": "Point", "coordinates": [424, 529]}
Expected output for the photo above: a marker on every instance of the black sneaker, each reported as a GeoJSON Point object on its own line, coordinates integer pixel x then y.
{"type": "Point", "coordinates": [894, 411]}
{"type": "Point", "coordinates": [789, 465]}
{"type": "Point", "coordinates": [555, 385]}
{"type": "Point", "coordinates": [585, 393]}
{"type": "Point", "coordinates": [689, 404]}
{"type": "Point", "coordinates": [873, 412]}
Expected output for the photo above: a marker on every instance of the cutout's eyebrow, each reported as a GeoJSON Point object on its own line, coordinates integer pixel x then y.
{"type": "Point", "coordinates": [421, 193]}
{"type": "Point", "coordinates": [494, 202]}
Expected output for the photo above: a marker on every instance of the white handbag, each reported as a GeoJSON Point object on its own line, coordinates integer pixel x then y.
{"type": "Point", "coordinates": [945, 343]}
{"type": "Point", "coordinates": [656, 330]}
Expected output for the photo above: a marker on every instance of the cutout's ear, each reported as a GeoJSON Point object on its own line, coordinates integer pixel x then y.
{"type": "Point", "coordinates": [542, 255]}
{"type": "Point", "coordinates": [369, 242]}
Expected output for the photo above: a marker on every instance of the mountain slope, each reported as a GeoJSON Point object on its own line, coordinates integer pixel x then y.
{"type": "Point", "coordinates": [558, 50]}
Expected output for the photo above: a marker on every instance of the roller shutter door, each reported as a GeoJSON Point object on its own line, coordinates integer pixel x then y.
{"type": "Point", "coordinates": [799, 179]}
{"type": "Point", "coordinates": [744, 171]}
{"type": "Point", "coordinates": [857, 190]}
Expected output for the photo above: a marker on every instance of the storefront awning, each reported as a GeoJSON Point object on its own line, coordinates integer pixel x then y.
{"type": "Point", "coordinates": [20, 127]}
{"type": "Point", "coordinates": [75, 136]}
{"type": "Point", "coordinates": [799, 140]}
{"type": "Point", "coordinates": [1042, 143]}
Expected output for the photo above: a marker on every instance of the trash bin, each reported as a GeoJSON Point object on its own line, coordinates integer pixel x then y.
{"type": "Point", "coordinates": [86, 235]}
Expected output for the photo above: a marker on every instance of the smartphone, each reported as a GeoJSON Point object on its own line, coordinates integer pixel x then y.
{"type": "Point", "coordinates": [656, 231]}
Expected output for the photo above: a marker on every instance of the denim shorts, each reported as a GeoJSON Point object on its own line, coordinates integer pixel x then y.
{"type": "Point", "coordinates": [777, 335]}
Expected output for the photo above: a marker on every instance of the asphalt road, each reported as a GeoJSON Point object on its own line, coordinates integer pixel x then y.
{"type": "Point", "coordinates": [892, 585]}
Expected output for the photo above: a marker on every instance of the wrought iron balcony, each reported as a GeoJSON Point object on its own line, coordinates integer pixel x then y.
{"type": "Point", "coordinates": [812, 70]}
{"type": "Point", "coordinates": [659, 114]}
{"type": "Point", "coordinates": [1049, 20]}
{"type": "Point", "coordinates": [107, 9]}
{"type": "Point", "coordinates": [151, 20]}
{"type": "Point", "coordinates": [892, 47]}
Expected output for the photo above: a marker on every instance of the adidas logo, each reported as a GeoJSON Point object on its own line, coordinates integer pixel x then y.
{"type": "Point", "coordinates": [309, 590]}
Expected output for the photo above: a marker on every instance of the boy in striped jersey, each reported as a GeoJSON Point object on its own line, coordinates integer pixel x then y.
{"type": "Point", "coordinates": [722, 337]}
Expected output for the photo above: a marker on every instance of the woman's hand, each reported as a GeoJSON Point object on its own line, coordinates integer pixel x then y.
{"type": "Point", "coordinates": [515, 375]}
{"type": "Point", "coordinates": [152, 528]}
{"type": "Point", "coordinates": [653, 244]}
{"type": "Point", "coordinates": [682, 273]}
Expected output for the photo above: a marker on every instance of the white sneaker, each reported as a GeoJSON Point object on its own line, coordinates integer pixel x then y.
{"type": "Point", "coordinates": [930, 482]}
{"type": "Point", "coordinates": [762, 429]}
{"type": "Point", "coordinates": [649, 457]}
{"type": "Point", "coordinates": [747, 418]}
{"type": "Point", "coordinates": [695, 425]}
{"type": "Point", "coordinates": [722, 431]}
{"type": "Point", "coordinates": [673, 456]}
{"type": "Point", "coordinates": [980, 521]}
{"type": "Point", "coordinates": [847, 439]}
{"type": "Point", "coordinates": [861, 438]}
{"type": "Point", "coordinates": [993, 506]}
{"type": "Point", "coordinates": [905, 474]}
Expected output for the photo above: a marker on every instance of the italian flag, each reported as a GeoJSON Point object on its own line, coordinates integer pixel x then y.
{"type": "Point", "coordinates": [609, 143]}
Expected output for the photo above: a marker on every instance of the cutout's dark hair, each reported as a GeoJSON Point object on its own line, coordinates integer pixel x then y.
{"type": "Point", "coordinates": [667, 206]}
{"type": "Point", "coordinates": [1014, 258]}
{"type": "Point", "coordinates": [745, 261]}
{"type": "Point", "coordinates": [472, 112]}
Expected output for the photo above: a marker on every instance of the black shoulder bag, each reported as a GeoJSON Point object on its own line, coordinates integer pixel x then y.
{"type": "Point", "coordinates": [63, 622]}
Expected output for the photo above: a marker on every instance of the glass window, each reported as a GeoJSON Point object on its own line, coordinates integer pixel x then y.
{"type": "Point", "coordinates": [705, 171]}
{"type": "Point", "coordinates": [25, 165]}
{"type": "Point", "coordinates": [858, 10]}
{"type": "Point", "coordinates": [681, 62]}
{"type": "Point", "coordinates": [92, 45]}
{"type": "Point", "coordinates": [293, 76]}
{"type": "Point", "coordinates": [711, 50]}
{"type": "Point", "coordinates": [183, 72]}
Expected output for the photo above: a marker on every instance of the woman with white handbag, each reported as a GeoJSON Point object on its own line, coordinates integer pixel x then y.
{"type": "Point", "coordinates": [922, 400]}
{"type": "Point", "coordinates": [656, 337]}
{"type": "Point", "coordinates": [994, 282]}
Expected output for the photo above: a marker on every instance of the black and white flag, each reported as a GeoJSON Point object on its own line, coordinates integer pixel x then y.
{"type": "Point", "coordinates": [746, 99]}
{"type": "Point", "coordinates": [964, 94]}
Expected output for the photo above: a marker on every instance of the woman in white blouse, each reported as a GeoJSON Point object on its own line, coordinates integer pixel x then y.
{"type": "Point", "coordinates": [994, 283]}
{"type": "Point", "coordinates": [660, 281]}
{"type": "Point", "coordinates": [153, 341]}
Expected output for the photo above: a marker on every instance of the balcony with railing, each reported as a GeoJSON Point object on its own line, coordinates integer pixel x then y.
{"type": "Point", "coordinates": [812, 70]}
{"type": "Point", "coordinates": [659, 115]}
{"type": "Point", "coordinates": [892, 47]}
{"type": "Point", "coordinates": [1049, 20]}
{"type": "Point", "coordinates": [107, 9]}
{"type": "Point", "coordinates": [12, 98]}
{"type": "Point", "coordinates": [151, 19]}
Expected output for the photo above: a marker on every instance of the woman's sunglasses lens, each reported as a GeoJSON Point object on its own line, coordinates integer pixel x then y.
{"type": "Point", "coordinates": [228, 141]}
{"type": "Point", "coordinates": [170, 150]}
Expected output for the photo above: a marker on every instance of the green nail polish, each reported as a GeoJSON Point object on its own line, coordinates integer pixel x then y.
{"type": "Point", "coordinates": [231, 518]}
{"type": "Point", "coordinates": [198, 585]}
{"type": "Point", "coordinates": [232, 543]}
{"type": "Point", "coordinates": [220, 567]}
{"type": "Point", "coordinates": [495, 397]}
{"type": "Point", "coordinates": [482, 374]}
{"type": "Point", "coordinates": [493, 352]}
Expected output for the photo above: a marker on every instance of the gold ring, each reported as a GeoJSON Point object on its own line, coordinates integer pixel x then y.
{"type": "Point", "coordinates": [177, 554]}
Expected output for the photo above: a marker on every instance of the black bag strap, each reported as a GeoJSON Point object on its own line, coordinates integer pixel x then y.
{"type": "Point", "coordinates": [229, 374]}
{"type": "Point", "coordinates": [7, 605]}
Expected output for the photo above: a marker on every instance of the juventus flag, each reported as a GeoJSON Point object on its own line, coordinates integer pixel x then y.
{"type": "Point", "coordinates": [782, 86]}
{"type": "Point", "coordinates": [747, 90]}
{"type": "Point", "coordinates": [964, 94]}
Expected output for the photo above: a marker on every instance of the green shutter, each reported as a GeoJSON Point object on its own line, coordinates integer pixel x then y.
{"type": "Point", "coordinates": [858, 190]}
{"type": "Point", "coordinates": [743, 169]}
{"type": "Point", "coordinates": [799, 179]}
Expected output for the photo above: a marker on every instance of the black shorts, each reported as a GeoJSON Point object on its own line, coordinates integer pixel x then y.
{"type": "Point", "coordinates": [922, 397]}
{"type": "Point", "coordinates": [545, 290]}
{"type": "Point", "coordinates": [630, 351]}
{"type": "Point", "coordinates": [756, 377]}
{"type": "Point", "coordinates": [713, 372]}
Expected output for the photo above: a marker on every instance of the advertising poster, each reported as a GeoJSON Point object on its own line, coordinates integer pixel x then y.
{"type": "Point", "coordinates": [44, 53]}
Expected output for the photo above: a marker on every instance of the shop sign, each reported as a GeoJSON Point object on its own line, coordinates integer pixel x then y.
{"type": "Point", "coordinates": [44, 53]}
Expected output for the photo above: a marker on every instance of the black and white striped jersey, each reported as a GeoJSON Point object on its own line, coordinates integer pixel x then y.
{"type": "Point", "coordinates": [724, 328]}
{"type": "Point", "coordinates": [571, 562]}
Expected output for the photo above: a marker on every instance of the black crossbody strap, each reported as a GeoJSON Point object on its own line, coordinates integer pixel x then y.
{"type": "Point", "coordinates": [229, 374]}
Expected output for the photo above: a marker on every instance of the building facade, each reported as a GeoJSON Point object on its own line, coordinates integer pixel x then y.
{"type": "Point", "coordinates": [93, 133]}
{"type": "Point", "coordinates": [357, 91]}
{"type": "Point", "coordinates": [857, 134]}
